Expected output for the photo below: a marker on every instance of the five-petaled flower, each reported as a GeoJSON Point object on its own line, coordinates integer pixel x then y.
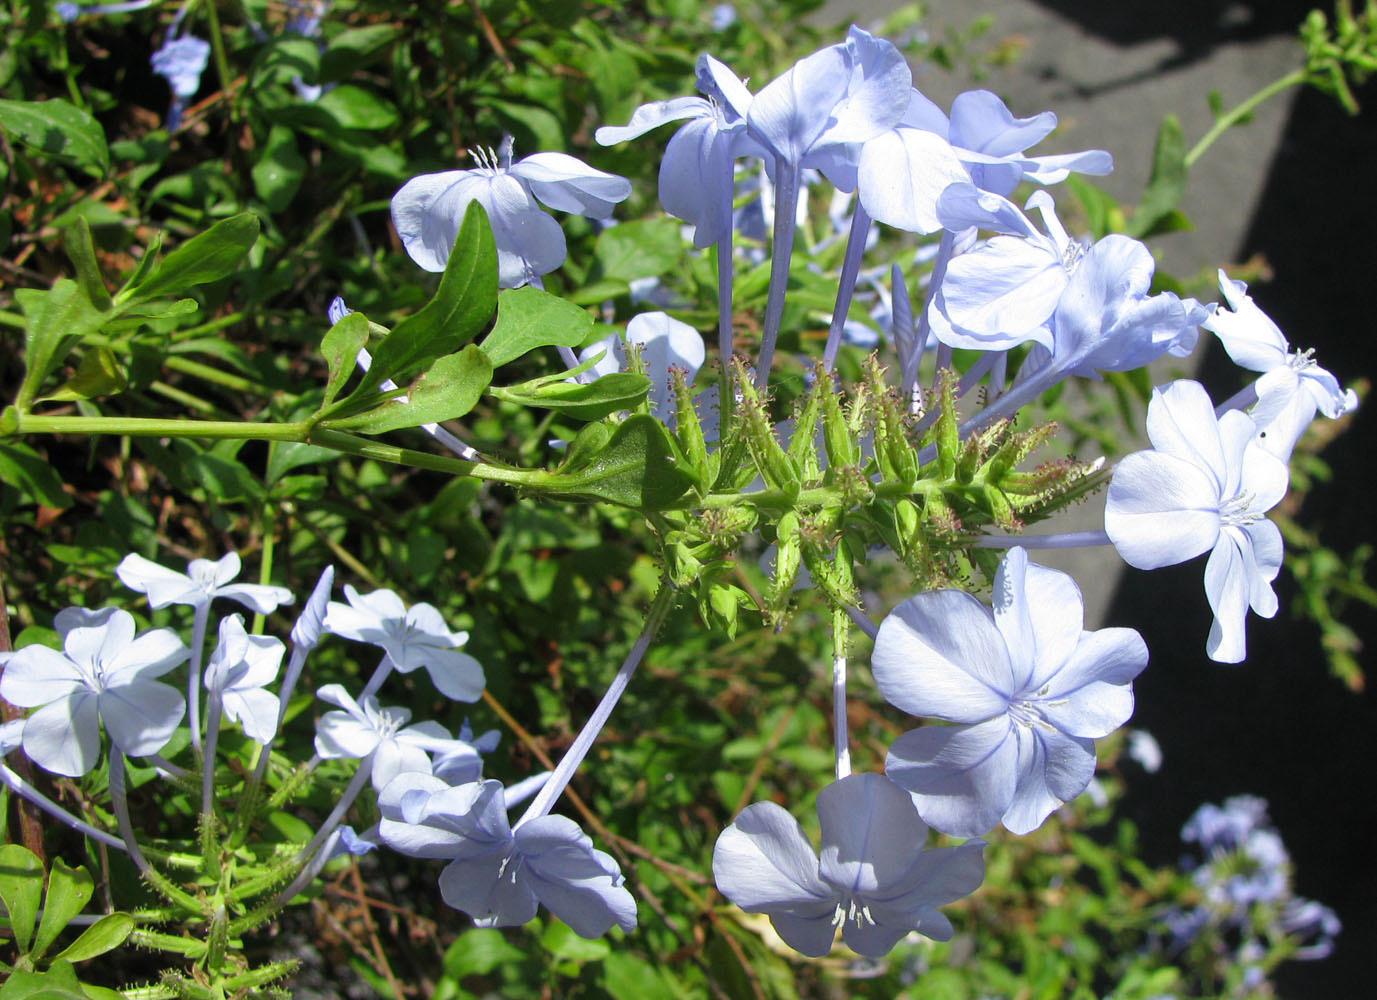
{"type": "Point", "coordinates": [199, 585]}
{"type": "Point", "coordinates": [411, 637]}
{"type": "Point", "coordinates": [874, 879]}
{"type": "Point", "coordinates": [104, 674]}
{"type": "Point", "coordinates": [1205, 486]}
{"type": "Point", "coordinates": [429, 209]}
{"type": "Point", "coordinates": [498, 875]}
{"type": "Point", "coordinates": [1028, 689]}
{"type": "Point", "coordinates": [238, 671]}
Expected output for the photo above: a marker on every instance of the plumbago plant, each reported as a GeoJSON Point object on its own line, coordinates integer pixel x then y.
{"type": "Point", "coordinates": [930, 455]}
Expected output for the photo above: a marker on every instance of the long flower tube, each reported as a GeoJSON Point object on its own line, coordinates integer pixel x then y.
{"type": "Point", "coordinates": [851, 267]}
{"type": "Point", "coordinates": [787, 180]}
{"type": "Point", "coordinates": [564, 770]}
{"type": "Point", "coordinates": [22, 788]}
{"type": "Point", "coordinates": [841, 739]}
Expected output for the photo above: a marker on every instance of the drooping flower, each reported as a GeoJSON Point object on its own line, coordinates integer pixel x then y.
{"type": "Point", "coordinates": [366, 731]}
{"type": "Point", "coordinates": [664, 341]}
{"type": "Point", "coordinates": [874, 878]}
{"type": "Point", "coordinates": [498, 875]}
{"type": "Point", "coordinates": [1028, 690]}
{"type": "Point", "coordinates": [199, 585]}
{"type": "Point", "coordinates": [1292, 388]}
{"type": "Point", "coordinates": [239, 670]}
{"type": "Point", "coordinates": [1206, 486]}
{"type": "Point", "coordinates": [429, 209]}
{"type": "Point", "coordinates": [411, 637]}
{"type": "Point", "coordinates": [104, 674]}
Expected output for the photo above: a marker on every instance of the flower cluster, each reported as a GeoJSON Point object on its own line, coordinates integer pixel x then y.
{"type": "Point", "coordinates": [1017, 692]}
{"type": "Point", "coordinates": [1248, 907]}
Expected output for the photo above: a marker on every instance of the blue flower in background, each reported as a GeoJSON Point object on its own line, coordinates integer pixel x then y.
{"type": "Point", "coordinates": [182, 61]}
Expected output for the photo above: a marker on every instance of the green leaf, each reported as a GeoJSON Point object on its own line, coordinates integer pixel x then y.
{"type": "Point", "coordinates": [637, 469]}
{"type": "Point", "coordinates": [289, 455]}
{"type": "Point", "coordinates": [528, 318]}
{"type": "Point", "coordinates": [561, 942]}
{"type": "Point", "coordinates": [59, 982]}
{"type": "Point", "coordinates": [614, 391]}
{"type": "Point", "coordinates": [69, 889]}
{"type": "Point", "coordinates": [341, 347]}
{"type": "Point", "coordinates": [478, 951]}
{"type": "Point", "coordinates": [460, 310]}
{"type": "Point", "coordinates": [1168, 181]}
{"type": "Point", "coordinates": [106, 934]}
{"type": "Point", "coordinates": [58, 129]}
{"type": "Point", "coordinates": [82, 251]}
{"type": "Point", "coordinates": [353, 49]}
{"type": "Point", "coordinates": [643, 249]}
{"type": "Point", "coordinates": [21, 888]}
{"type": "Point", "coordinates": [98, 374]}
{"type": "Point", "coordinates": [54, 321]}
{"type": "Point", "coordinates": [598, 291]}
{"type": "Point", "coordinates": [280, 168]}
{"type": "Point", "coordinates": [450, 389]}
{"type": "Point", "coordinates": [353, 107]}
{"type": "Point", "coordinates": [206, 257]}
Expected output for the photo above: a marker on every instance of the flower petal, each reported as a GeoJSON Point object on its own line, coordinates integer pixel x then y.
{"type": "Point", "coordinates": [481, 887]}
{"type": "Point", "coordinates": [1039, 611]}
{"type": "Point", "coordinates": [162, 585]}
{"type": "Point", "coordinates": [902, 174]}
{"type": "Point", "coordinates": [141, 717]}
{"type": "Point", "coordinates": [962, 777]}
{"type": "Point", "coordinates": [1161, 510]}
{"type": "Point", "coordinates": [570, 185]}
{"type": "Point", "coordinates": [37, 675]}
{"type": "Point", "coordinates": [573, 880]}
{"type": "Point", "coordinates": [762, 862]}
{"type": "Point", "coordinates": [940, 655]}
{"type": "Point", "coordinates": [1053, 768]}
{"type": "Point", "coordinates": [64, 737]}
{"type": "Point", "coordinates": [871, 833]}
{"type": "Point", "coordinates": [455, 675]}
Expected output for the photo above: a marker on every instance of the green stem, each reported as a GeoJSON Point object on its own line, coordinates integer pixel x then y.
{"type": "Point", "coordinates": [217, 42]}
{"type": "Point", "coordinates": [1240, 111]}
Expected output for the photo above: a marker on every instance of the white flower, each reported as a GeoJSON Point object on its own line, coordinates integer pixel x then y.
{"type": "Point", "coordinates": [664, 341]}
{"type": "Point", "coordinates": [429, 209]}
{"type": "Point", "coordinates": [365, 730]}
{"type": "Point", "coordinates": [103, 674]}
{"type": "Point", "coordinates": [1292, 387]}
{"type": "Point", "coordinates": [1205, 487]}
{"type": "Point", "coordinates": [414, 637]}
{"type": "Point", "coordinates": [199, 585]}
{"type": "Point", "coordinates": [240, 667]}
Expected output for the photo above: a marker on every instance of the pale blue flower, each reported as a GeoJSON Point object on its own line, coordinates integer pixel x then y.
{"type": "Point", "coordinates": [696, 172]}
{"type": "Point", "coordinates": [412, 637]}
{"type": "Point", "coordinates": [874, 878]}
{"type": "Point", "coordinates": [429, 209]}
{"type": "Point", "coordinates": [182, 61]}
{"type": "Point", "coordinates": [238, 672]}
{"type": "Point", "coordinates": [723, 16]}
{"type": "Point", "coordinates": [364, 730]}
{"type": "Point", "coordinates": [70, 12]}
{"type": "Point", "coordinates": [821, 111]}
{"type": "Point", "coordinates": [1292, 388]}
{"type": "Point", "coordinates": [104, 674]}
{"type": "Point", "coordinates": [1205, 487]}
{"type": "Point", "coordinates": [1028, 689]}
{"type": "Point", "coordinates": [1315, 924]}
{"type": "Point", "coordinates": [990, 141]}
{"type": "Point", "coordinates": [498, 875]}
{"type": "Point", "coordinates": [664, 342]}
{"type": "Point", "coordinates": [199, 585]}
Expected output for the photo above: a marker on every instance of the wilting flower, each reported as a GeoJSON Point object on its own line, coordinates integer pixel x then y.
{"type": "Point", "coordinates": [429, 209]}
{"type": "Point", "coordinates": [874, 878]}
{"type": "Point", "coordinates": [199, 585]}
{"type": "Point", "coordinates": [1205, 486]}
{"type": "Point", "coordinates": [1028, 690]}
{"type": "Point", "coordinates": [1292, 387]}
{"type": "Point", "coordinates": [498, 875]}
{"type": "Point", "coordinates": [237, 673]}
{"type": "Point", "coordinates": [411, 637]}
{"type": "Point", "coordinates": [104, 674]}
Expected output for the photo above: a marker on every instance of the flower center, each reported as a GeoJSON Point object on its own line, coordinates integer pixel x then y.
{"type": "Point", "coordinates": [1302, 361]}
{"type": "Point", "coordinates": [852, 911]}
{"type": "Point", "coordinates": [1238, 510]}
